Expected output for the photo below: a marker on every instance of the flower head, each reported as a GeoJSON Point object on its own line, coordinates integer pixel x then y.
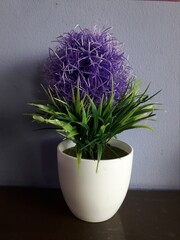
{"type": "Point", "coordinates": [94, 57]}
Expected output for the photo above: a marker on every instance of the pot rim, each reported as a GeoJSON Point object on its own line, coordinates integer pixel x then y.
{"type": "Point", "coordinates": [131, 150]}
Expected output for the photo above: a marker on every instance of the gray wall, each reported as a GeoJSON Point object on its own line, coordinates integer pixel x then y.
{"type": "Point", "coordinates": [151, 33]}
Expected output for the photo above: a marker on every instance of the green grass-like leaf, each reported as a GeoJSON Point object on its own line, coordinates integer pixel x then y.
{"type": "Point", "coordinates": [91, 126]}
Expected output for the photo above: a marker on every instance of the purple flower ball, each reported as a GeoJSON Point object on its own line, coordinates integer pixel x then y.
{"type": "Point", "coordinates": [94, 57]}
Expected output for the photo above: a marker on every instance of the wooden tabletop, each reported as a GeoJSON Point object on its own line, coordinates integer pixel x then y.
{"type": "Point", "coordinates": [27, 213]}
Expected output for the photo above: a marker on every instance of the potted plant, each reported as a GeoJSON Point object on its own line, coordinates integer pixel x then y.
{"type": "Point", "coordinates": [92, 95]}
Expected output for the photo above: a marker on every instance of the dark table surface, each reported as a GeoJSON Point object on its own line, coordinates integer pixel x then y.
{"type": "Point", "coordinates": [27, 213]}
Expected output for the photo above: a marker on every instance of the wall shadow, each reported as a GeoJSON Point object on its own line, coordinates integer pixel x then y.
{"type": "Point", "coordinates": [49, 161]}
{"type": "Point", "coordinates": [24, 153]}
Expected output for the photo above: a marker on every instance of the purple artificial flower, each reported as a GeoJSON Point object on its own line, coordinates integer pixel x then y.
{"type": "Point", "coordinates": [95, 58]}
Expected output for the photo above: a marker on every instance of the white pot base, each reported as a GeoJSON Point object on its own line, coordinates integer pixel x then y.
{"type": "Point", "coordinates": [94, 196]}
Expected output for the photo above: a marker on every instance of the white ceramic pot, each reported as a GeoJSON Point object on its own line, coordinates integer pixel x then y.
{"type": "Point", "coordinates": [94, 196]}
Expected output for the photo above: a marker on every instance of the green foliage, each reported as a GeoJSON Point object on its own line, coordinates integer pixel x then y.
{"type": "Point", "coordinates": [91, 126]}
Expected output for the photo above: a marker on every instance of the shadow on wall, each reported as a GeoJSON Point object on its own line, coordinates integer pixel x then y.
{"type": "Point", "coordinates": [19, 84]}
{"type": "Point", "coordinates": [49, 161]}
{"type": "Point", "coordinates": [27, 157]}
